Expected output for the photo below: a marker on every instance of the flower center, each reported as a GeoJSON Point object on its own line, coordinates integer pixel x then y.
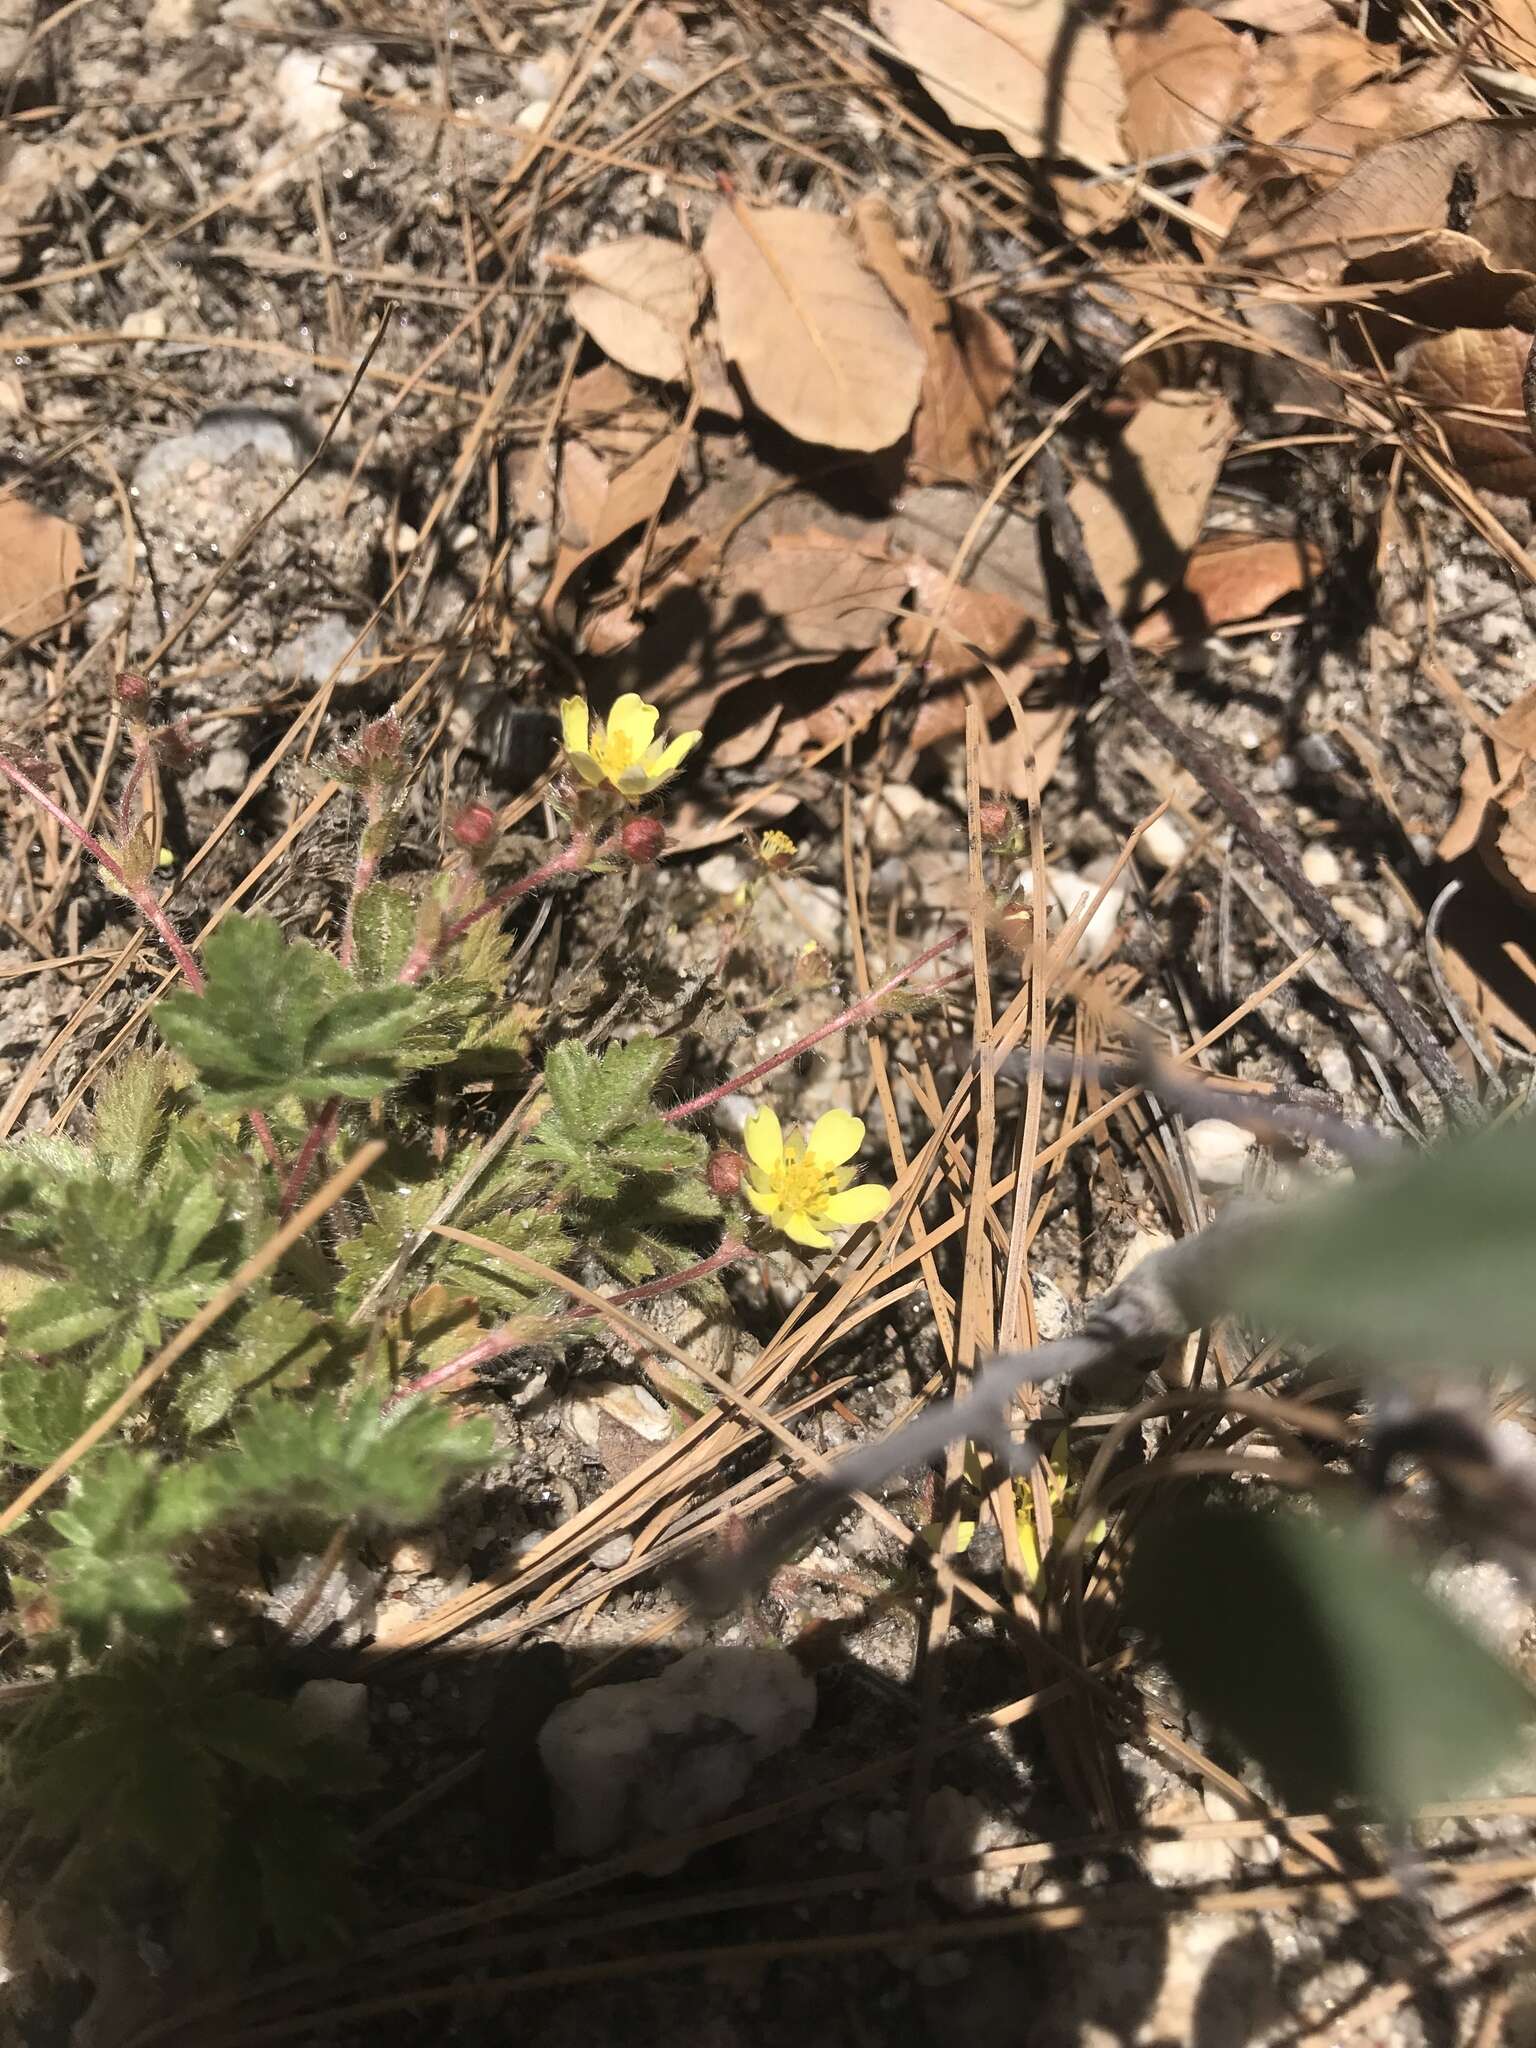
{"type": "Point", "coordinates": [617, 753]}
{"type": "Point", "coordinates": [805, 1185]}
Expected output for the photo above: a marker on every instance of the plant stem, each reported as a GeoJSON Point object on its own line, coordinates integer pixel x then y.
{"type": "Point", "coordinates": [510, 1335]}
{"type": "Point", "coordinates": [362, 878]}
{"type": "Point", "coordinates": [142, 896]}
{"type": "Point", "coordinates": [579, 852]}
{"type": "Point", "coordinates": [856, 1013]}
{"type": "Point", "coordinates": [318, 1136]}
{"type": "Point", "coordinates": [148, 906]}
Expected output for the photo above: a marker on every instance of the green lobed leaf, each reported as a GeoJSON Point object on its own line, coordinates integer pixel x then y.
{"type": "Point", "coordinates": [131, 1116]}
{"type": "Point", "coordinates": [383, 931]}
{"type": "Point", "coordinates": [282, 1019]}
{"type": "Point", "coordinates": [1321, 1656]}
{"type": "Point", "coordinates": [1430, 1263]}
{"type": "Point", "coordinates": [277, 1343]}
{"type": "Point", "coordinates": [592, 1096]}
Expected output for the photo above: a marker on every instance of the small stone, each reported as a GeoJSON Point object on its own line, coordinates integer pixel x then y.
{"type": "Point", "coordinates": [1370, 924]}
{"type": "Point", "coordinates": [1334, 1065]}
{"type": "Point", "coordinates": [636, 1410]}
{"type": "Point", "coordinates": [227, 769]}
{"type": "Point", "coordinates": [310, 85]}
{"type": "Point", "coordinates": [1488, 1598]}
{"type": "Point", "coordinates": [534, 115]}
{"type": "Point", "coordinates": [1073, 892]}
{"type": "Point", "coordinates": [146, 324]}
{"type": "Point", "coordinates": [1164, 842]}
{"type": "Point", "coordinates": [900, 815]}
{"type": "Point", "coordinates": [956, 1825]}
{"type": "Point", "coordinates": [584, 1421]}
{"type": "Point", "coordinates": [1322, 867]}
{"type": "Point", "coordinates": [609, 1556]}
{"type": "Point", "coordinates": [332, 1709]}
{"type": "Point", "coordinates": [722, 874]}
{"type": "Point", "coordinates": [410, 1559]}
{"type": "Point", "coordinates": [1218, 1152]}
{"type": "Point", "coordinates": [662, 1756]}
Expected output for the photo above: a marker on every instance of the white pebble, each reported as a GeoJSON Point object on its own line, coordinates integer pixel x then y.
{"type": "Point", "coordinates": [1370, 924]}
{"type": "Point", "coordinates": [1218, 1151]}
{"type": "Point", "coordinates": [1164, 842]}
{"type": "Point", "coordinates": [636, 1410]}
{"type": "Point", "coordinates": [534, 115]}
{"type": "Point", "coordinates": [1322, 867]}
{"type": "Point", "coordinates": [1334, 1066]}
{"type": "Point", "coordinates": [722, 874]}
{"type": "Point", "coordinates": [310, 85]}
{"type": "Point", "coordinates": [1072, 893]}
{"type": "Point", "coordinates": [335, 1709]}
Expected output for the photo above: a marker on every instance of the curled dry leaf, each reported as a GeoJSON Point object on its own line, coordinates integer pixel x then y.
{"type": "Point", "coordinates": [826, 596]}
{"type": "Point", "coordinates": [1041, 72]}
{"type": "Point", "coordinates": [820, 344]}
{"type": "Point", "coordinates": [971, 642]}
{"type": "Point", "coordinates": [40, 557]}
{"type": "Point", "coordinates": [1297, 78]}
{"type": "Point", "coordinates": [639, 302]}
{"type": "Point", "coordinates": [1442, 279]}
{"type": "Point", "coordinates": [1467, 373]}
{"type": "Point", "coordinates": [1186, 79]}
{"type": "Point", "coordinates": [1498, 800]}
{"type": "Point", "coordinates": [1385, 110]}
{"type": "Point", "coordinates": [1143, 510]}
{"type": "Point", "coordinates": [633, 496]}
{"type": "Point", "coordinates": [969, 359]}
{"type": "Point", "coordinates": [1228, 578]}
{"type": "Point", "coordinates": [1395, 196]}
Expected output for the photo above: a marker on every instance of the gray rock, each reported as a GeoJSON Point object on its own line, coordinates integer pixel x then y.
{"type": "Point", "coordinates": [333, 1709]}
{"type": "Point", "coordinates": [219, 437]}
{"type": "Point", "coordinates": [631, 1763]}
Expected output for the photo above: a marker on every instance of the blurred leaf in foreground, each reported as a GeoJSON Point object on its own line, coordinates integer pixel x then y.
{"type": "Point", "coordinates": [1323, 1658]}
{"type": "Point", "coordinates": [1430, 1263]}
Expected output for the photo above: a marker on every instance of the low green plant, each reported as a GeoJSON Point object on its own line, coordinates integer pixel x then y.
{"type": "Point", "coordinates": [226, 1316]}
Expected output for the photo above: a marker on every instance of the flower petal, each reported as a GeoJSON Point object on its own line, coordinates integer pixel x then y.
{"type": "Point", "coordinates": [674, 754]}
{"type": "Point", "coordinates": [856, 1205]}
{"type": "Point", "coordinates": [589, 770]}
{"type": "Point", "coordinates": [764, 1200]}
{"type": "Point", "coordinates": [575, 727]}
{"type": "Point", "coordinates": [635, 782]}
{"type": "Point", "coordinates": [800, 1227]}
{"type": "Point", "coordinates": [763, 1137]}
{"type": "Point", "coordinates": [634, 720]}
{"type": "Point", "coordinates": [835, 1137]}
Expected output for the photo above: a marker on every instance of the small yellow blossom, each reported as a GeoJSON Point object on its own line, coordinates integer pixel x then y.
{"type": "Point", "coordinates": [624, 754]}
{"type": "Point", "coordinates": [801, 1183]}
{"type": "Point", "coordinates": [777, 851]}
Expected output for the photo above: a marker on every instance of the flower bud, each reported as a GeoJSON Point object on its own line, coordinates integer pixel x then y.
{"type": "Point", "coordinates": [174, 747]}
{"type": "Point", "coordinates": [996, 821]}
{"type": "Point", "coordinates": [777, 851]}
{"type": "Point", "coordinates": [723, 1174]}
{"type": "Point", "coordinates": [133, 696]}
{"type": "Point", "coordinates": [641, 840]}
{"type": "Point", "coordinates": [475, 829]}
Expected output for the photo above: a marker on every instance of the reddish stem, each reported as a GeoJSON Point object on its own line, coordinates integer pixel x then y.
{"type": "Point", "coordinates": [510, 1335]}
{"type": "Point", "coordinates": [318, 1136]}
{"type": "Point", "coordinates": [567, 861]}
{"type": "Point", "coordinates": [362, 878]}
{"type": "Point", "coordinates": [856, 1013]}
{"type": "Point", "coordinates": [142, 896]}
{"type": "Point", "coordinates": [131, 786]}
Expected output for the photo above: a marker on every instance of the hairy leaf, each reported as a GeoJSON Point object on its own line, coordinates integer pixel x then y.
{"type": "Point", "coordinates": [1319, 1653]}
{"type": "Point", "coordinates": [283, 1019]}
{"type": "Point", "coordinates": [1427, 1264]}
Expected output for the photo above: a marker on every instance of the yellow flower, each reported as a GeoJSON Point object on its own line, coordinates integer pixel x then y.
{"type": "Point", "coordinates": [625, 754]}
{"type": "Point", "coordinates": [777, 851]}
{"type": "Point", "coordinates": [800, 1183]}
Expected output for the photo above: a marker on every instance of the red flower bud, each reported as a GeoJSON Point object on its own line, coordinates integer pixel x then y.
{"type": "Point", "coordinates": [133, 695]}
{"type": "Point", "coordinates": [175, 749]}
{"type": "Point", "coordinates": [996, 820]}
{"type": "Point", "coordinates": [475, 828]}
{"type": "Point", "coordinates": [723, 1173]}
{"type": "Point", "coordinates": [641, 840]}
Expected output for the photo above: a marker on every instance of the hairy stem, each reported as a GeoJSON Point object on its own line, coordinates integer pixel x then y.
{"type": "Point", "coordinates": [318, 1136]}
{"type": "Point", "coordinates": [140, 894]}
{"type": "Point", "coordinates": [496, 1343]}
{"type": "Point", "coordinates": [362, 878]}
{"type": "Point", "coordinates": [856, 1013]}
{"type": "Point", "coordinates": [569, 860]}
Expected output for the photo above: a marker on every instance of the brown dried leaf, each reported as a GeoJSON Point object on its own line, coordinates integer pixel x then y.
{"type": "Point", "coordinates": [1478, 369]}
{"type": "Point", "coordinates": [1498, 800]}
{"type": "Point", "coordinates": [1231, 577]}
{"type": "Point", "coordinates": [1297, 77]}
{"type": "Point", "coordinates": [969, 358]}
{"type": "Point", "coordinates": [820, 345]}
{"type": "Point", "coordinates": [1396, 195]}
{"type": "Point", "coordinates": [1386, 110]}
{"type": "Point", "coordinates": [635, 495]}
{"type": "Point", "coordinates": [827, 596]}
{"type": "Point", "coordinates": [640, 300]}
{"type": "Point", "coordinates": [1041, 72]}
{"type": "Point", "coordinates": [40, 557]}
{"type": "Point", "coordinates": [1143, 511]}
{"type": "Point", "coordinates": [1442, 280]}
{"type": "Point", "coordinates": [1186, 80]}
